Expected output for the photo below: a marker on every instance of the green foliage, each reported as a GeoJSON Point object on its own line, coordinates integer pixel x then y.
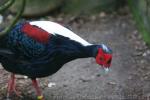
{"type": "Point", "coordinates": [6, 5]}
{"type": "Point", "coordinates": [7, 29]}
{"type": "Point", "coordinates": [142, 20]}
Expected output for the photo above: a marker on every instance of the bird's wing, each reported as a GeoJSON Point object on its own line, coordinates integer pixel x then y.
{"type": "Point", "coordinates": [6, 51]}
{"type": "Point", "coordinates": [7, 54]}
{"type": "Point", "coordinates": [35, 33]}
{"type": "Point", "coordinates": [55, 28]}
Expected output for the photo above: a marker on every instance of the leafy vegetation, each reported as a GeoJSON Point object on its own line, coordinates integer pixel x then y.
{"type": "Point", "coordinates": [136, 11]}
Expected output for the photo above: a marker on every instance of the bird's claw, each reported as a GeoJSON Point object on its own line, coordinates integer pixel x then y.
{"type": "Point", "coordinates": [15, 92]}
{"type": "Point", "coordinates": [12, 87]}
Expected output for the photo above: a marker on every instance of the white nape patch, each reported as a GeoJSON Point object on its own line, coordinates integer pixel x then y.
{"type": "Point", "coordinates": [105, 47]}
{"type": "Point", "coordinates": [55, 28]}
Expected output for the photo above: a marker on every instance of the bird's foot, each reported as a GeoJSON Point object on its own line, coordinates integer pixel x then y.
{"type": "Point", "coordinates": [12, 87]}
{"type": "Point", "coordinates": [17, 92]}
{"type": "Point", "coordinates": [38, 90]}
{"type": "Point", "coordinates": [13, 90]}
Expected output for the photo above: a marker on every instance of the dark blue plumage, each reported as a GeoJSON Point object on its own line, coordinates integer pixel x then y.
{"type": "Point", "coordinates": [36, 59]}
{"type": "Point", "coordinates": [38, 49]}
{"type": "Point", "coordinates": [19, 42]}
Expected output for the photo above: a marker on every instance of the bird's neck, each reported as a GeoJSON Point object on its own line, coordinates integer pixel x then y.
{"type": "Point", "coordinates": [89, 51]}
{"type": "Point", "coordinates": [81, 52]}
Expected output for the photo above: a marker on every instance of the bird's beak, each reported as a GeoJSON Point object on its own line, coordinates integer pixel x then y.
{"type": "Point", "coordinates": [106, 70]}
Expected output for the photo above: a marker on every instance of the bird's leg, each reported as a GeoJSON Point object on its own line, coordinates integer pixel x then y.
{"type": "Point", "coordinates": [12, 86]}
{"type": "Point", "coordinates": [38, 90]}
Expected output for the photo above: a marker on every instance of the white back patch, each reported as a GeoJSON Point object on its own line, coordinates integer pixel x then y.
{"type": "Point", "coordinates": [55, 28]}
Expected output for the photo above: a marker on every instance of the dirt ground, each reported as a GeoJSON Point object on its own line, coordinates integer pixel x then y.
{"type": "Point", "coordinates": [81, 79]}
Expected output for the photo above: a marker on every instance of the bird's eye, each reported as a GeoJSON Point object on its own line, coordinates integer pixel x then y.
{"type": "Point", "coordinates": [101, 58]}
{"type": "Point", "coordinates": [109, 61]}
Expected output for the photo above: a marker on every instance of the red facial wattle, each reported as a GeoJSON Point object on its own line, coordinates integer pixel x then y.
{"type": "Point", "coordinates": [103, 58]}
{"type": "Point", "coordinates": [100, 57]}
{"type": "Point", "coordinates": [108, 58]}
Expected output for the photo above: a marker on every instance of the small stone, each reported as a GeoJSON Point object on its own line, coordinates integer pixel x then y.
{"type": "Point", "coordinates": [148, 51]}
{"type": "Point", "coordinates": [65, 85]}
{"type": "Point", "coordinates": [21, 77]}
{"type": "Point", "coordinates": [130, 77]}
{"type": "Point", "coordinates": [98, 75]}
{"type": "Point", "coordinates": [142, 61]}
{"type": "Point", "coordinates": [135, 32]}
{"type": "Point", "coordinates": [142, 67]}
{"type": "Point", "coordinates": [59, 19]}
{"type": "Point", "coordinates": [50, 84]}
{"type": "Point", "coordinates": [9, 17]}
{"type": "Point", "coordinates": [25, 77]}
{"type": "Point", "coordinates": [93, 18]}
{"type": "Point", "coordinates": [144, 44]}
{"type": "Point", "coordinates": [29, 92]}
{"type": "Point", "coordinates": [21, 82]}
{"type": "Point", "coordinates": [102, 14]}
{"type": "Point", "coordinates": [144, 54]}
{"type": "Point", "coordinates": [123, 25]}
{"type": "Point", "coordinates": [146, 77]}
{"type": "Point", "coordinates": [139, 36]}
{"type": "Point", "coordinates": [112, 83]}
{"type": "Point", "coordinates": [137, 54]}
{"type": "Point", "coordinates": [45, 83]}
{"type": "Point", "coordinates": [83, 79]}
{"type": "Point", "coordinates": [51, 18]}
{"type": "Point", "coordinates": [147, 74]}
{"type": "Point", "coordinates": [139, 48]}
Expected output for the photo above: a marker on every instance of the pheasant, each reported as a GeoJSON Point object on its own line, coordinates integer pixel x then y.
{"type": "Point", "coordinates": [40, 48]}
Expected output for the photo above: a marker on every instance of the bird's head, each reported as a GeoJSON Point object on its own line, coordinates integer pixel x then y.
{"type": "Point", "coordinates": [104, 56]}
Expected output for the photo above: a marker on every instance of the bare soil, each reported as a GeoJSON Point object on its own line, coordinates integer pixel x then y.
{"type": "Point", "coordinates": [81, 79]}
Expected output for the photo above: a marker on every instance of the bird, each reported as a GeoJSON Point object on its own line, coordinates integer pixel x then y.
{"type": "Point", "coordinates": [40, 48]}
